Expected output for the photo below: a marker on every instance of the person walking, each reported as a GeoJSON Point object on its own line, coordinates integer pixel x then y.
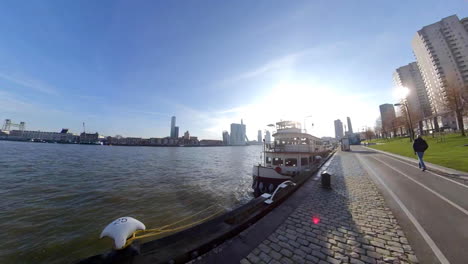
{"type": "Point", "coordinates": [419, 146]}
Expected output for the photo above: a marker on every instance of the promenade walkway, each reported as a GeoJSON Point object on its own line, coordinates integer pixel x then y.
{"type": "Point", "coordinates": [350, 223]}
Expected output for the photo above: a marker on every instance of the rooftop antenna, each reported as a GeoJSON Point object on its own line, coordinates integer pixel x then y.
{"type": "Point", "coordinates": [84, 130]}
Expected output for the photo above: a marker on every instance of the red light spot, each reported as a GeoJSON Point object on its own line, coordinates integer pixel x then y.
{"type": "Point", "coordinates": [315, 220]}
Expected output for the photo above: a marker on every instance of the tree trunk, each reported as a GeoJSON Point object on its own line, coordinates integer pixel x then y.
{"type": "Point", "coordinates": [436, 124]}
{"type": "Point", "coordinates": [461, 126]}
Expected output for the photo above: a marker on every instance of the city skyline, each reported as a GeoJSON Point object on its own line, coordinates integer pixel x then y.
{"type": "Point", "coordinates": [92, 65]}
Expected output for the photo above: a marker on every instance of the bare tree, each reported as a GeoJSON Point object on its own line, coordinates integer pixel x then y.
{"type": "Point", "coordinates": [369, 134]}
{"type": "Point", "coordinates": [455, 103]}
{"type": "Point", "coordinates": [399, 123]}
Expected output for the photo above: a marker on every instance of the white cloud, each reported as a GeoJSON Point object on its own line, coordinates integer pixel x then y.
{"type": "Point", "coordinates": [285, 63]}
{"type": "Point", "coordinates": [30, 83]}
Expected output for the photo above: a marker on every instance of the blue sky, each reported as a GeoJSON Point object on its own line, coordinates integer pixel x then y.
{"type": "Point", "coordinates": [125, 67]}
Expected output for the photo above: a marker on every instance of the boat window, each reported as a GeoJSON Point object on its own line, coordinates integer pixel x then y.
{"type": "Point", "coordinates": [304, 161]}
{"type": "Point", "coordinates": [291, 162]}
{"type": "Point", "coordinates": [277, 161]}
{"type": "Point", "coordinates": [268, 160]}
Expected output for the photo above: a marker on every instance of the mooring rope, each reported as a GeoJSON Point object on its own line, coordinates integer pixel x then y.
{"type": "Point", "coordinates": [170, 228]}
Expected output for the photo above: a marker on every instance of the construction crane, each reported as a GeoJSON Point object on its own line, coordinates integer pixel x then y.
{"type": "Point", "coordinates": [8, 125]}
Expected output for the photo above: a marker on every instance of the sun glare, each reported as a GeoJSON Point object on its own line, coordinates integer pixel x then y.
{"type": "Point", "coordinates": [292, 99]}
{"type": "Point", "coordinates": [400, 92]}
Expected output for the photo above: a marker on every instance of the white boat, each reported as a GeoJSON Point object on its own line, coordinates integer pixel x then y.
{"type": "Point", "coordinates": [293, 154]}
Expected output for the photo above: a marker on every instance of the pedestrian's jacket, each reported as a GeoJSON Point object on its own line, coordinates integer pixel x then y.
{"type": "Point", "coordinates": [420, 145]}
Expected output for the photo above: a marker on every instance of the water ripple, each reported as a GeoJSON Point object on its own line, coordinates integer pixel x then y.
{"type": "Point", "coordinates": [57, 198]}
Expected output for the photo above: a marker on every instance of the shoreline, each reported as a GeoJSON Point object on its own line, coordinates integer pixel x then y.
{"type": "Point", "coordinates": [190, 243]}
{"type": "Point", "coordinates": [126, 145]}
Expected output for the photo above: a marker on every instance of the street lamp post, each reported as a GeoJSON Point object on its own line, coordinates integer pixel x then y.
{"type": "Point", "coordinates": [409, 118]}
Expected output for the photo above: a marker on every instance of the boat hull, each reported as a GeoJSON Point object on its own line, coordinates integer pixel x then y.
{"type": "Point", "coordinates": [265, 180]}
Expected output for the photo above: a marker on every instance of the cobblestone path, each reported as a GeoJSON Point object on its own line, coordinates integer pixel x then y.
{"type": "Point", "coordinates": [355, 225]}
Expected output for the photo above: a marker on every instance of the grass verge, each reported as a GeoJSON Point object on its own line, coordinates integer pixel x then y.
{"type": "Point", "coordinates": [450, 153]}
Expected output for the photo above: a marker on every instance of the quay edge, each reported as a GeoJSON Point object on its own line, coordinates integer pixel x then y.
{"type": "Point", "coordinates": [188, 244]}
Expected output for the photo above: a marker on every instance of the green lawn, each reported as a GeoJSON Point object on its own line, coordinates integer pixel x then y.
{"type": "Point", "coordinates": [451, 153]}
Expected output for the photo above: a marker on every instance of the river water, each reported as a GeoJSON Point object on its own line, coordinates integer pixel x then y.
{"type": "Point", "coordinates": [56, 199]}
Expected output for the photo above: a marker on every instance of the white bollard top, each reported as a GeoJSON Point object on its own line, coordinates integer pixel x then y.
{"type": "Point", "coordinates": [121, 229]}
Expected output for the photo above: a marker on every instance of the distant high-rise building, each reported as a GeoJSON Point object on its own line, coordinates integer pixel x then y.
{"type": "Point", "coordinates": [388, 116]}
{"type": "Point", "coordinates": [338, 129]}
{"type": "Point", "coordinates": [417, 100]}
{"type": "Point", "coordinates": [267, 137]}
{"type": "Point", "coordinates": [226, 139]}
{"type": "Point", "coordinates": [176, 132]}
{"type": "Point", "coordinates": [238, 134]}
{"type": "Point", "coordinates": [173, 122]}
{"type": "Point", "coordinates": [186, 135]}
{"type": "Point", "coordinates": [441, 51]}
{"type": "Point", "coordinates": [259, 137]}
{"type": "Point", "coordinates": [350, 127]}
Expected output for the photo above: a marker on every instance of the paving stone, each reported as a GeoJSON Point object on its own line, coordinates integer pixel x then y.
{"type": "Point", "coordinates": [341, 257]}
{"type": "Point", "coordinates": [275, 255]}
{"type": "Point", "coordinates": [286, 245]}
{"type": "Point", "coordinates": [384, 252]}
{"type": "Point", "coordinates": [245, 261]}
{"type": "Point", "coordinates": [312, 258]}
{"type": "Point", "coordinates": [307, 250]}
{"type": "Point", "coordinates": [264, 257]}
{"type": "Point", "coordinates": [359, 250]}
{"type": "Point", "coordinates": [294, 244]}
{"type": "Point", "coordinates": [397, 249]}
{"type": "Point", "coordinates": [318, 254]}
{"type": "Point", "coordinates": [368, 259]}
{"type": "Point", "coordinates": [356, 261]}
{"type": "Point", "coordinates": [356, 225]}
{"type": "Point", "coordinates": [337, 249]}
{"type": "Point", "coordinates": [407, 248]}
{"type": "Point", "coordinates": [286, 252]}
{"type": "Point", "coordinates": [285, 260]}
{"type": "Point", "coordinates": [275, 247]}
{"type": "Point", "coordinates": [327, 251]}
{"type": "Point", "coordinates": [297, 259]}
{"type": "Point", "coordinates": [395, 244]}
{"type": "Point", "coordinates": [273, 239]}
{"type": "Point", "coordinates": [333, 260]}
{"type": "Point", "coordinates": [377, 244]}
{"type": "Point", "coordinates": [353, 243]}
{"type": "Point", "coordinates": [412, 258]}
{"type": "Point", "coordinates": [253, 258]}
{"type": "Point", "coordinates": [373, 254]}
{"type": "Point", "coordinates": [264, 248]}
{"type": "Point", "coordinates": [367, 247]}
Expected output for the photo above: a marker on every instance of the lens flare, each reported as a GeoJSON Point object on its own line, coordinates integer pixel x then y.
{"type": "Point", "coordinates": [315, 220]}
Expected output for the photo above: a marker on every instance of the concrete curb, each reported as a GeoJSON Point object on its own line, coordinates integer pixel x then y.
{"type": "Point", "coordinates": [433, 167]}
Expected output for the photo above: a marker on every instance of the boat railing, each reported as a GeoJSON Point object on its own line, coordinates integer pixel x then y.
{"type": "Point", "coordinates": [290, 148]}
